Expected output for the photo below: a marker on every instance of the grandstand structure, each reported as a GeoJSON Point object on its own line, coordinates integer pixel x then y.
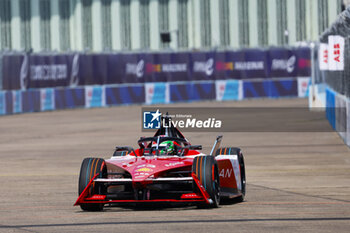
{"type": "Point", "coordinates": [136, 25]}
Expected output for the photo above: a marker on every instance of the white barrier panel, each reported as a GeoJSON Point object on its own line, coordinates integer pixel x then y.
{"type": "Point", "coordinates": [229, 90]}
{"type": "Point", "coordinates": [303, 87]}
{"type": "Point", "coordinates": [157, 93]}
{"type": "Point", "coordinates": [317, 96]}
{"type": "Point", "coordinates": [340, 115]}
{"type": "Point", "coordinates": [95, 96]}
{"type": "Point", "coordinates": [47, 99]}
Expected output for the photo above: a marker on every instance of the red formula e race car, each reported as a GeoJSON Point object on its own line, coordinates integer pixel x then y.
{"type": "Point", "coordinates": [165, 168]}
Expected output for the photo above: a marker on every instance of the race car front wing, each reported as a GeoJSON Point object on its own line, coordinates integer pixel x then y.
{"type": "Point", "coordinates": [202, 196]}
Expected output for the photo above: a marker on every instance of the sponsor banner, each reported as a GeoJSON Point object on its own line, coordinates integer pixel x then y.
{"type": "Point", "coordinates": [229, 90]}
{"type": "Point", "coordinates": [323, 56]}
{"type": "Point", "coordinates": [95, 96]}
{"type": "Point", "coordinates": [168, 67]}
{"type": "Point", "coordinates": [303, 87]}
{"type": "Point", "coordinates": [16, 101]}
{"type": "Point", "coordinates": [11, 70]}
{"type": "Point", "coordinates": [283, 62]}
{"type": "Point", "coordinates": [133, 67]}
{"type": "Point", "coordinates": [2, 103]}
{"type": "Point", "coordinates": [69, 98]}
{"type": "Point", "coordinates": [31, 101]}
{"type": "Point", "coordinates": [245, 64]}
{"type": "Point", "coordinates": [157, 93]}
{"type": "Point", "coordinates": [125, 95]}
{"type": "Point", "coordinates": [94, 69]}
{"type": "Point", "coordinates": [254, 65]}
{"type": "Point", "coordinates": [336, 53]}
{"type": "Point", "coordinates": [24, 71]}
{"type": "Point", "coordinates": [37, 71]}
{"type": "Point", "coordinates": [47, 99]}
{"type": "Point", "coordinates": [203, 66]}
{"type": "Point", "coordinates": [303, 56]}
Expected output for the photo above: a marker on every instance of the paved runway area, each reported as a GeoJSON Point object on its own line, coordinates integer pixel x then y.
{"type": "Point", "coordinates": [296, 182]}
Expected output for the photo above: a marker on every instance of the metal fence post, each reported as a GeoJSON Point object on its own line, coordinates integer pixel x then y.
{"type": "Point", "coordinates": [1, 71]}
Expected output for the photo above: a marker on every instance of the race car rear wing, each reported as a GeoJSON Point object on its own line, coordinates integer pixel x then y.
{"type": "Point", "coordinates": [216, 145]}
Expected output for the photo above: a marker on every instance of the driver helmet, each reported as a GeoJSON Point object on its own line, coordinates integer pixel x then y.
{"type": "Point", "coordinates": [168, 147]}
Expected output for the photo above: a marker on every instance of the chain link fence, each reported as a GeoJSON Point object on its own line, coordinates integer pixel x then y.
{"type": "Point", "coordinates": [337, 80]}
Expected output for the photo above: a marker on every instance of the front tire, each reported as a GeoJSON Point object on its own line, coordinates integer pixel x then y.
{"type": "Point", "coordinates": [236, 151]}
{"type": "Point", "coordinates": [206, 169]}
{"type": "Point", "coordinates": [89, 168]}
{"type": "Point", "coordinates": [243, 178]}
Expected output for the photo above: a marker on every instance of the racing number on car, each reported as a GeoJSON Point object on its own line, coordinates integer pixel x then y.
{"type": "Point", "coordinates": [226, 174]}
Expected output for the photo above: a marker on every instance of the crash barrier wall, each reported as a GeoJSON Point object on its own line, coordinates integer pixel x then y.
{"type": "Point", "coordinates": [338, 113]}
{"type": "Point", "coordinates": [331, 75]}
{"type": "Point", "coordinates": [26, 71]}
{"type": "Point", "coordinates": [48, 99]}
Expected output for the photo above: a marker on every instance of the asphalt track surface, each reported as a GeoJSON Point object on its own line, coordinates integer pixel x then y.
{"type": "Point", "coordinates": [296, 182]}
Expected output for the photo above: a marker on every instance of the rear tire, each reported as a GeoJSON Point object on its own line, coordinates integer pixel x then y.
{"type": "Point", "coordinates": [89, 168]}
{"type": "Point", "coordinates": [206, 169]}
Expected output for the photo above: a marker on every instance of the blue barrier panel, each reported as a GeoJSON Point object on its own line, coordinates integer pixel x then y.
{"type": "Point", "coordinates": [16, 101]}
{"type": "Point", "coordinates": [31, 101]}
{"type": "Point", "coordinates": [69, 98]}
{"type": "Point", "coordinates": [270, 88]}
{"type": "Point", "coordinates": [192, 92]}
{"type": "Point", "coordinates": [203, 91]}
{"type": "Point", "coordinates": [256, 89]}
{"type": "Point", "coordinates": [330, 106]}
{"type": "Point", "coordinates": [2, 103]}
{"type": "Point", "coordinates": [125, 95]}
{"type": "Point", "coordinates": [9, 103]}
{"type": "Point", "coordinates": [283, 88]}
{"type": "Point", "coordinates": [180, 92]}
{"type": "Point", "coordinates": [304, 87]}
